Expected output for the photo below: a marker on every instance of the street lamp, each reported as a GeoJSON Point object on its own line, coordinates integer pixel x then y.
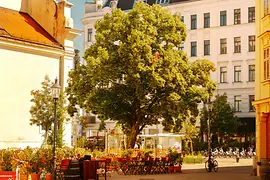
{"type": "Point", "coordinates": [106, 139]}
{"type": "Point", "coordinates": [55, 94]}
{"type": "Point", "coordinates": [210, 106]}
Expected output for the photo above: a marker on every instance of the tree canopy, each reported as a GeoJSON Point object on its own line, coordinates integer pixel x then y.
{"type": "Point", "coordinates": [222, 117]}
{"type": "Point", "coordinates": [42, 111]}
{"type": "Point", "coordinates": [135, 74]}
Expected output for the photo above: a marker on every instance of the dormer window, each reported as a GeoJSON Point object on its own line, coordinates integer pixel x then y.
{"type": "Point", "coordinates": [163, 1]}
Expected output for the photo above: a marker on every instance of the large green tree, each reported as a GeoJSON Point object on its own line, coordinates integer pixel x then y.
{"type": "Point", "coordinates": [223, 121]}
{"type": "Point", "coordinates": [135, 74]}
{"type": "Point", "coordinates": [42, 111]}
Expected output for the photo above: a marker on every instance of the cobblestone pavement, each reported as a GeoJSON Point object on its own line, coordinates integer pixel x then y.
{"type": "Point", "coordinates": [228, 170]}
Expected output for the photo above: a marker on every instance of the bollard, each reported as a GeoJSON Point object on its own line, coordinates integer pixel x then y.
{"type": "Point", "coordinates": [254, 168]}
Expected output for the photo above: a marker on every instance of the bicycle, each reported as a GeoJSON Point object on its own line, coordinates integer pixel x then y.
{"type": "Point", "coordinates": [211, 164]}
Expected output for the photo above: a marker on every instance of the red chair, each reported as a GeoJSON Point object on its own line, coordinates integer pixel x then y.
{"type": "Point", "coordinates": [64, 167]}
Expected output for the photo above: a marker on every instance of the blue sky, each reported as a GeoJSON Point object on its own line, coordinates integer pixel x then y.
{"type": "Point", "coordinates": [77, 13]}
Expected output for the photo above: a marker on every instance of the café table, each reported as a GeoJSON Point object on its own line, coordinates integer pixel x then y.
{"type": "Point", "coordinates": [90, 168]}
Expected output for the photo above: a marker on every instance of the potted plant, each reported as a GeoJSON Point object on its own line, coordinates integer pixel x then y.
{"type": "Point", "coordinates": [25, 156]}
{"type": "Point", "coordinates": [46, 157]}
{"type": "Point", "coordinates": [178, 163]}
{"type": "Point", "coordinates": [36, 165]}
{"type": "Point", "coordinates": [6, 157]}
{"type": "Point", "coordinates": [175, 161]}
{"type": "Point", "coordinates": [5, 160]}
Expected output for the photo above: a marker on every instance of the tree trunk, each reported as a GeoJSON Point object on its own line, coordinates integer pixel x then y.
{"type": "Point", "coordinates": [45, 141]}
{"type": "Point", "coordinates": [191, 146]}
{"type": "Point", "coordinates": [131, 138]}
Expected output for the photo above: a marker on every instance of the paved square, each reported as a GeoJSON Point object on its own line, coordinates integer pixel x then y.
{"type": "Point", "coordinates": [228, 170]}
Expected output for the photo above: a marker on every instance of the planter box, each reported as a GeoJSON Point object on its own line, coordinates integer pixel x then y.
{"type": "Point", "coordinates": [7, 175]}
{"type": "Point", "coordinates": [177, 169]}
{"type": "Point", "coordinates": [171, 169]}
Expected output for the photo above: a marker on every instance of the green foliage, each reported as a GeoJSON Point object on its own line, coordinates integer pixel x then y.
{"type": "Point", "coordinates": [191, 159]}
{"type": "Point", "coordinates": [222, 117]}
{"type": "Point", "coordinates": [190, 131]}
{"type": "Point", "coordinates": [127, 153]}
{"type": "Point", "coordinates": [145, 77]}
{"type": "Point", "coordinates": [176, 156]}
{"type": "Point", "coordinates": [5, 160]}
{"type": "Point", "coordinates": [42, 111]}
{"type": "Point", "coordinates": [81, 142]}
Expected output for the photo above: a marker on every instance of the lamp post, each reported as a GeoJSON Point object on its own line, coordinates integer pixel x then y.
{"type": "Point", "coordinates": [106, 139]}
{"type": "Point", "coordinates": [210, 106]}
{"type": "Point", "coordinates": [55, 94]}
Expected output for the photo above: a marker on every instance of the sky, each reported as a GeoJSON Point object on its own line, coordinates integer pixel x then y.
{"type": "Point", "coordinates": [77, 13]}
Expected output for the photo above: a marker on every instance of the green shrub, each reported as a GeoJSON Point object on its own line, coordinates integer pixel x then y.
{"type": "Point", "coordinates": [190, 159]}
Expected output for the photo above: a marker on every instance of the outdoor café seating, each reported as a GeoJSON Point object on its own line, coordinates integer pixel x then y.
{"type": "Point", "coordinates": [135, 166]}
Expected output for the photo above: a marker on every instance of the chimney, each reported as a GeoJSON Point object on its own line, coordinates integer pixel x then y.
{"type": "Point", "coordinates": [114, 4]}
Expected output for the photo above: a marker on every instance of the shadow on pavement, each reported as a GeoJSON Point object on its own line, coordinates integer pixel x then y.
{"type": "Point", "coordinates": [224, 173]}
{"type": "Point", "coordinates": [247, 169]}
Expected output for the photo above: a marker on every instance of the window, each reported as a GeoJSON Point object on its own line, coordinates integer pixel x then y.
{"type": "Point", "coordinates": [207, 47]}
{"type": "Point", "coordinates": [251, 14]}
{"type": "Point", "coordinates": [237, 16]}
{"type": "Point", "coordinates": [206, 20]}
{"type": "Point", "coordinates": [162, 1]}
{"type": "Point", "coordinates": [223, 74]}
{"type": "Point", "coordinates": [89, 35]}
{"type": "Point", "coordinates": [266, 7]}
{"type": "Point", "coordinates": [251, 99]}
{"type": "Point", "coordinates": [266, 63]}
{"type": "Point", "coordinates": [223, 46]}
{"type": "Point", "coordinates": [251, 73]}
{"type": "Point", "coordinates": [251, 43]}
{"type": "Point", "coordinates": [193, 48]}
{"type": "Point", "coordinates": [237, 45]}
{"type": "Point", "coordinates": [193, 22]}
{"type": "Point", "coordinates": [237, 103]}
{"type": "Point", "coordinates": [223, 18]}
{"type": "Point", "coordinates": [237, 73]}
{"type": "Point", "coordinates": [181, 47]}
{"type": "Point", "coordinates": [182, 18]}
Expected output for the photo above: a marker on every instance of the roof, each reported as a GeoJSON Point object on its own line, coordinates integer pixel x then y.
{"type": "Point", "coordinates": [21, 26]}
{"type": "Point", "coordinates": [128, 4]}
{"type": "Point", "coordinates": [122, 4]}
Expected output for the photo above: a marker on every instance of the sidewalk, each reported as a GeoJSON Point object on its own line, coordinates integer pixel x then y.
{"type": "Point", "coordinates": [222, 162]}
{"type": "Point", "coordinates": [228, 170]}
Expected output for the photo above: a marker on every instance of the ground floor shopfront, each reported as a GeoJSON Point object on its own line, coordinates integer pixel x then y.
{"type": "Point", "coordinates": [262, 132]}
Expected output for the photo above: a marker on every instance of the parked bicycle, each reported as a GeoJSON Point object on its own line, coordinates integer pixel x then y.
{"type": "Point", "coordinates": [211, 164]}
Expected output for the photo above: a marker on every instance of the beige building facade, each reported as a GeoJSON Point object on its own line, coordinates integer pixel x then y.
{"type": "Point", "coordinates": [36, 38]}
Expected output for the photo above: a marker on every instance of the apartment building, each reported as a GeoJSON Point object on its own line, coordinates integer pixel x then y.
{"type": "Point", "coordinates": [224, 33]}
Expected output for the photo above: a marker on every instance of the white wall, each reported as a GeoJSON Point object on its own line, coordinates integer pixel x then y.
{"type": "Point", "coordinates": [11, 4]}
{"type": "Point", "coordinates": [214, 34]}
{"type": "Point", "coordinates": [19, 74]}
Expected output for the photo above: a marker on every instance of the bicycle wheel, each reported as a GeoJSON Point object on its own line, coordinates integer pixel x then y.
{"type": "Point", "coordinates": [208, 167]}
{"type": "Point", "coordinates": [215, 165]}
